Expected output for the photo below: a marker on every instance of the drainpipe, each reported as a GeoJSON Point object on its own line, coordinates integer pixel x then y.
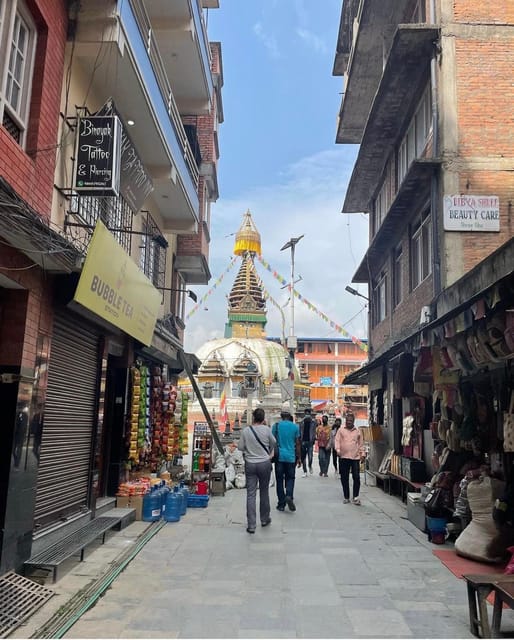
{"type": "Point", "coordinates": [434, 189]}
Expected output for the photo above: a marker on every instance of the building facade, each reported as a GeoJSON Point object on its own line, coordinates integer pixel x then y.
{"type": "Point", "coordinates": [108, 167]}
{"type": "Point", "coordinates": [427, 98]}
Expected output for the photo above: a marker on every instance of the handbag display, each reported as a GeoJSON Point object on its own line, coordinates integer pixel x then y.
{"type": "Point", "coordinates": [508, 426]}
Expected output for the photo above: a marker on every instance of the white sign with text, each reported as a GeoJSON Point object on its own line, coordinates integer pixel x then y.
{"type": "Point", "coordinates": [471, 213]}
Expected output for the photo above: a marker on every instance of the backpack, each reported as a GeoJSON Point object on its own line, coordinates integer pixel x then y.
{"type": "Point", "coordinates": [323, 437]}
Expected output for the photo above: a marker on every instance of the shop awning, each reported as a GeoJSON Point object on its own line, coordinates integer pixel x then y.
{"type": "Point", "coordinates": [32, 234]}
{"type": "Point", "coordinates": [492, 279]}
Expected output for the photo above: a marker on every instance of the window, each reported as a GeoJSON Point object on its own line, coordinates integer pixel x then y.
{"type": "Point", "coordinates": [152, 259]}
{"type": "Point", "coordinates": [17, 45]}
{"type": "Point", "coordinates": [421, 249]}
{"type": "Point", "coordinates": [384, 197]}
{"type": "Point", "coordinates": [415, 139]}
{"type": "Point", "coordinates": [379, 311]}
{"type": "Point", "coordinates": [397, 276]}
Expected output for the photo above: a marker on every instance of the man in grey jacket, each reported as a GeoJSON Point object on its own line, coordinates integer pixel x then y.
{"type": "Point", "coordinates": [257, 444]}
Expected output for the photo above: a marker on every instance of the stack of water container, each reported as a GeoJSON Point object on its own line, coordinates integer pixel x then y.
{"type": "Point", "coordinates": [161, 502]}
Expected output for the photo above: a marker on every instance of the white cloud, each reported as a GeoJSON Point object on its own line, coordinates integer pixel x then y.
{"type": "Point", "coordinates": [268, 40]}
{"type": "Point", "coordinates": [306, 200]}
{"type": "Point", "coordinates": [312, 40]}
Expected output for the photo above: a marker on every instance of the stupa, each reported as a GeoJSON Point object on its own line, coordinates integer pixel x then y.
{"type": "Point", "coordinates": [243, 369]}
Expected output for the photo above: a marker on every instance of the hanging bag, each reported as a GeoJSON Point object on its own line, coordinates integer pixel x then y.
{"type": "Point", "coordinates": [270, 453]}
{"type": "Point", "coordinates": [275, 452]}
{"type": "Point", "coordinates": [508, 426]}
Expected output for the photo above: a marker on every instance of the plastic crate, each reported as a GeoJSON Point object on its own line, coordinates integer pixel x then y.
{"type": "Point", "coordinates": [195, 500]}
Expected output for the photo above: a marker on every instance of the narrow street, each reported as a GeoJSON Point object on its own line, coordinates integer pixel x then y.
{"type": "Point", "coordinates": [328, 571]}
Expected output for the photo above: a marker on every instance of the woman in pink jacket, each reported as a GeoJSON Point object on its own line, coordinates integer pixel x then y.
{"type": "Point", "coordinates": [350, 449]}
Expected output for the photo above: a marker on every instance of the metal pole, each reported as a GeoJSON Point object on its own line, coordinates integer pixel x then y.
{"type": "Point", "coordinates": [292, 289]}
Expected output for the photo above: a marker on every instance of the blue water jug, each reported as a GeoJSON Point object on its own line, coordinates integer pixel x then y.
{"type": "Point", "coordinates": [185, 494]}
{"type": "Point", "coordinates": [164, 494]}
{"type": "Point", "coordinates": [151, 506]}
{"type": "Point", "coordinates": [173, 507]}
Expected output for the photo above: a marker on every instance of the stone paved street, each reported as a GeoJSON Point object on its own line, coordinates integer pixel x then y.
{"type": "Point", "coordinates": [328, 570]}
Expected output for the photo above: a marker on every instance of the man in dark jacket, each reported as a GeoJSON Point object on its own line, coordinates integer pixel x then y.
{"type": "Point", "coordinates": [307, 436]}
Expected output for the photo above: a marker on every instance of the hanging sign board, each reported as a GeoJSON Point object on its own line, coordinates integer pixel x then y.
{"type": "Point", "coordinates": [135, 181]}
{"type": "Point", "coordinates": [97, 156]}
{"type": "Point", "coordinates": [112, 286]}
{"type": "Point", "coordinates": [471, 213]}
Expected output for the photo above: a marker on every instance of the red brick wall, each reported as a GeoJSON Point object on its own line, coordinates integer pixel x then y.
{"type": "Point", "coordinates": [490, 12]}
{"type": "Point", "coordinates": [31, 171]}
{"type": "Point", "coordinates": [25, 312]}
{"type": "Point", "coordinates": [485, 98]}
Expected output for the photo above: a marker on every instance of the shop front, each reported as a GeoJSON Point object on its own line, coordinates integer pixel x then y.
{"type": "Point", "coordinates": [444, 401]}
{"type": "Point", "coordinates": [91, 349]}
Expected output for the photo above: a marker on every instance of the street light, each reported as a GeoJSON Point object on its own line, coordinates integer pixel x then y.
{"type": "Point", "coordinates": [291, 341]}
{"type": "Point", "coordinates": [354, 292]}
{"type": "Point", "coordinates": [190, 293]}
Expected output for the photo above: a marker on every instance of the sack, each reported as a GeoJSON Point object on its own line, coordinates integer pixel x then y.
{"type": "Point", "coordinates": [508, 426]}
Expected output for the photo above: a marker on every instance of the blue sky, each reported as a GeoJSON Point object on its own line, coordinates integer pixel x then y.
{"type": "Point", "coordinates": [278, 158]}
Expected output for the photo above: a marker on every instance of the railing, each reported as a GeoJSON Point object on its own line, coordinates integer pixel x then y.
{"type": "Point", "coordinates": [146, 31]}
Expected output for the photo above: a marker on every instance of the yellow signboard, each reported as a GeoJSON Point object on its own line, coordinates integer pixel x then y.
{"type": "Point", "coordinates": [112, 286]}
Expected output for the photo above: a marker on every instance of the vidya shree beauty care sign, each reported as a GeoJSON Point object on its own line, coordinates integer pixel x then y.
{"type": "Point", "coordinates": [112, 286]}
{"type": "Point", "coordinates": [471, 213]}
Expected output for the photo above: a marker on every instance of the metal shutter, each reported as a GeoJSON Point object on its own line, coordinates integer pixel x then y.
{"type": "Point", "coordinates": [69, 420]}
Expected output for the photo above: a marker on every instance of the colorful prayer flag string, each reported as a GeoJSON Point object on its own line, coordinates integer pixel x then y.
{"type": "Point", "coordinates": [312, 307]}
{"type": "Point", "coordinates": [211, 290]}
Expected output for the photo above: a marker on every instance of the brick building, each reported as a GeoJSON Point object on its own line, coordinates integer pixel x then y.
{"type": "Point", "coordinates": [428, 97]}
{"type": "Point", "coordinates": [100, 238]}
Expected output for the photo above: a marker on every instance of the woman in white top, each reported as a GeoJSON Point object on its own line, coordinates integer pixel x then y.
{"type": "Point", "coordinates": [257, 444]}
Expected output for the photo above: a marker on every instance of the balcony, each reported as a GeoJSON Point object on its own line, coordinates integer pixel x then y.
{"type": "Point", "coordinates": [192, 259]}
{"type": "Point", "coordinates": [181, 36]}
{"type": "Point", "coordinates": [130, 70]}
{"type": "Point", "coordinates": [365, 34]}
{"type": "Point", "coordinates": [414, 189]}
{"type": "Point", "coordinates": [406, 71]}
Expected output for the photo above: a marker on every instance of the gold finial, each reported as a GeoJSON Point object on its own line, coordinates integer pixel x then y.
{"type": "Point", "coordinates": [247, 238]}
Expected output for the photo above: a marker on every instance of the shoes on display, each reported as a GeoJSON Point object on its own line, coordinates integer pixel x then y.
{"type": "Point", "coordinates": [346, 501]}
{"type": "Point", "coordinates": [266, 522]}
{"type": "Point", "coordinates": [250, 530]}
{"type": "Point", "coordinates": [356, 501]}
{"type": "Point", "coordinates": [290, 503]}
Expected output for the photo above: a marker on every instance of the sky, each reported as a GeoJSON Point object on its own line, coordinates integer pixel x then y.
{"type": "Point", "coordinates": [279, 159]}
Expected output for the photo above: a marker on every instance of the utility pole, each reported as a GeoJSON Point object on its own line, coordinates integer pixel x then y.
{"type": "Point", "coordinates": [292, 342]}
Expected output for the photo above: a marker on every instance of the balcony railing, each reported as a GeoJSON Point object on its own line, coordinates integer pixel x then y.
{"type": "Point", "coordinates": [146, 31]}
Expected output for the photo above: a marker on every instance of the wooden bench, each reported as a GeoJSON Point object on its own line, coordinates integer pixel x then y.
{"type": "Point", "coordinates": [404, 482]}
{"type": "Point", "coordinates": [53, 556]}
{"type": "Point", "coordinates": [479, 586]}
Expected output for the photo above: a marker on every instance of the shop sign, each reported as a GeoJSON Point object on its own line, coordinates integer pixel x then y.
{"type": "Point", "coordinates": [97, 156]}
{"type": "Point", "coordinates": [325, 381]}
{"type": "Point", "coordinates": [471, 213]}
{"type": "Point", "coordinates": [112, 286]}
{"type": "Point", "coordinates": [135, 182]}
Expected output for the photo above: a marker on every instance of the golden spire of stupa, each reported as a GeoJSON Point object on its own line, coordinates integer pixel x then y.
{"type": "Point", "coordinates": [247, 238]}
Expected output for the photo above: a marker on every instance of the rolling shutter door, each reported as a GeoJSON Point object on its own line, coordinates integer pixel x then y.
{"type": "Point", "coordinates": [69, 421]}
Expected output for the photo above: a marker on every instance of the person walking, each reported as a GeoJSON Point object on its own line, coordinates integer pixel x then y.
{"type": "Point", "coordinates": [257, 444]}
{"type": "Point", "coordinates": [287, 435]}
{"type": "Point", "coordinates": [335, 457]}
{"type": "Point", "coordinates": [350, 449]}
{"type": "Point", "coordinates": [323, 433]}
{"type": "Point", "coordinates": [308, 436]}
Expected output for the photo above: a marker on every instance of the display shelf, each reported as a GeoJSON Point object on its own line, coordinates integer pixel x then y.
{"type": "Point", "coordinates": [201, 455]}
